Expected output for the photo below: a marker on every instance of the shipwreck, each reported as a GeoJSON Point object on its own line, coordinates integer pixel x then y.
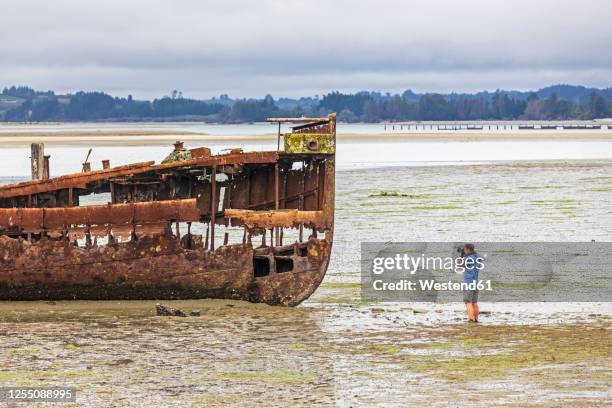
{"type": "Point", "coordinates": [255, 226]}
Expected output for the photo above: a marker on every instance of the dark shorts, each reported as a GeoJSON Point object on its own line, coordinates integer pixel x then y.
{"type": "Point", "coordinates": [470, 296]}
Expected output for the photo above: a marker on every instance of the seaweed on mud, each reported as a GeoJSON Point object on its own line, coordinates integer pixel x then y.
{"type": "Point", "coordinates": [273, 376]}
{"type": "Point", "coordinates": [437, 207]}
{"type": "Point", "coordinates": [395, 194]}
{"type": "Point", "coordinates": [382, 348]}
{"type": "Point", "coordinates": [340, 285]}
{"type": "Point", "coordinates": [538, 348]}
{"type": "Point", "coordinates": [600, 190]}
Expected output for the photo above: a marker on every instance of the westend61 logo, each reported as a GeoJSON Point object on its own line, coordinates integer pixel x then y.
{"type": "Point", "coordinates": [500, 271]}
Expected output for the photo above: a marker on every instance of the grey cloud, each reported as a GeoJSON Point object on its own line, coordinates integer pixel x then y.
{"type": "Point", "coordinates": [249, 48]}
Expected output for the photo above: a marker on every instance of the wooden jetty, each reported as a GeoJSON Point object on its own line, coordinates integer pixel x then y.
{"type": "Point", "coordinates": [425, 126]}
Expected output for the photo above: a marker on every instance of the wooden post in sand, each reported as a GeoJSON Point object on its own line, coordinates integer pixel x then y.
{"type": "Point", "coordinates": [37, 160]}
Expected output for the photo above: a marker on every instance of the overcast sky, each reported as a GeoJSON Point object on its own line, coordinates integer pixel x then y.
{"type": "Point", "coordinates": [249, 48]}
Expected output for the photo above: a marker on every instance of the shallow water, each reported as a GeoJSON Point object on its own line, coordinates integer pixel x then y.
{"type": "Point", "coordinates": [334, 349]}
{"type": "Point", "coordinates": [536, 201]}
{"type": "Point", "coordinates": [14, 160]}
{"type": "Point", "coordinates": [262, 128]}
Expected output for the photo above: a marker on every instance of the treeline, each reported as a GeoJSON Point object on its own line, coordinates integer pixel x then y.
{"type": "Point", "coordinates": [25, 104]}
{"type": "Point", "coordinates": [91, 106]}
{"type": "Point", "coordinates": [364, 108]}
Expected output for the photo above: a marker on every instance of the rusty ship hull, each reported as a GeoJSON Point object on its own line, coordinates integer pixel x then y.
{"type": "Point", "coordinates": [195, 226]}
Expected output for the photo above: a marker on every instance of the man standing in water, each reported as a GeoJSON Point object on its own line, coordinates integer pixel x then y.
{"type": "Point", "coordinates": [472, 262]}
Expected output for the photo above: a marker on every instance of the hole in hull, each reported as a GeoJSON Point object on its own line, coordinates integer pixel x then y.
{"type": "Point", "coordinates": [261, 267]}
{"type": "Point", "coordinates": [283, 265]}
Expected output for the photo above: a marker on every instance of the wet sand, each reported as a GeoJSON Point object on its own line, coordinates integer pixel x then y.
{"type": "Point", "coordinates": [239, 354]}
{"type": "Point", "coordinates": [158, 137]}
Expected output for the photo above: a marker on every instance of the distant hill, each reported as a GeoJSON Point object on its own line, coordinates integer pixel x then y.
{"type": "Point", "coordinates": [22, 103]}
{"type": "Point", "coordinates": [572, 93]}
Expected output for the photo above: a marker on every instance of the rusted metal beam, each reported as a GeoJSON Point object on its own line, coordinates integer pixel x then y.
{"type": "Point", "coordinates": [213, 206]}
{"type": "Point", "coordinates": [79, 180]}
{"type": "Point", "coordinates": [70, 180]}
{"type": "Point", "coordinates": [38, 219]}
{"type": "Point", "coordinates": [200, 153]}
{"type": "Point", "coordinates": [276, 198]}
{"type": "Point", "coordinates": [277, 218]}
{"type": "Point", "coordinates": [295, 120]}
{"type": "Point", "coordinates": [222, 159]}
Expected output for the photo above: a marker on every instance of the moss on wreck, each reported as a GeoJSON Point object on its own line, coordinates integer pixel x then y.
{"type": "Point", "coordinates": [310, 143]}
{"type": "Point", "coordinates": [180, 154]}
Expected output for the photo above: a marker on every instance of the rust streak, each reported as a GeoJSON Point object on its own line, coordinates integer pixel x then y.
{"type": "Point", "coordinates": [279, 218]}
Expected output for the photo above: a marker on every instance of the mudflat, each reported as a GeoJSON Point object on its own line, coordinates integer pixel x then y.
{"type": "Point", "coordinates": [240, 354]}
{"type": "Point", "coordinates": [164, 137]}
